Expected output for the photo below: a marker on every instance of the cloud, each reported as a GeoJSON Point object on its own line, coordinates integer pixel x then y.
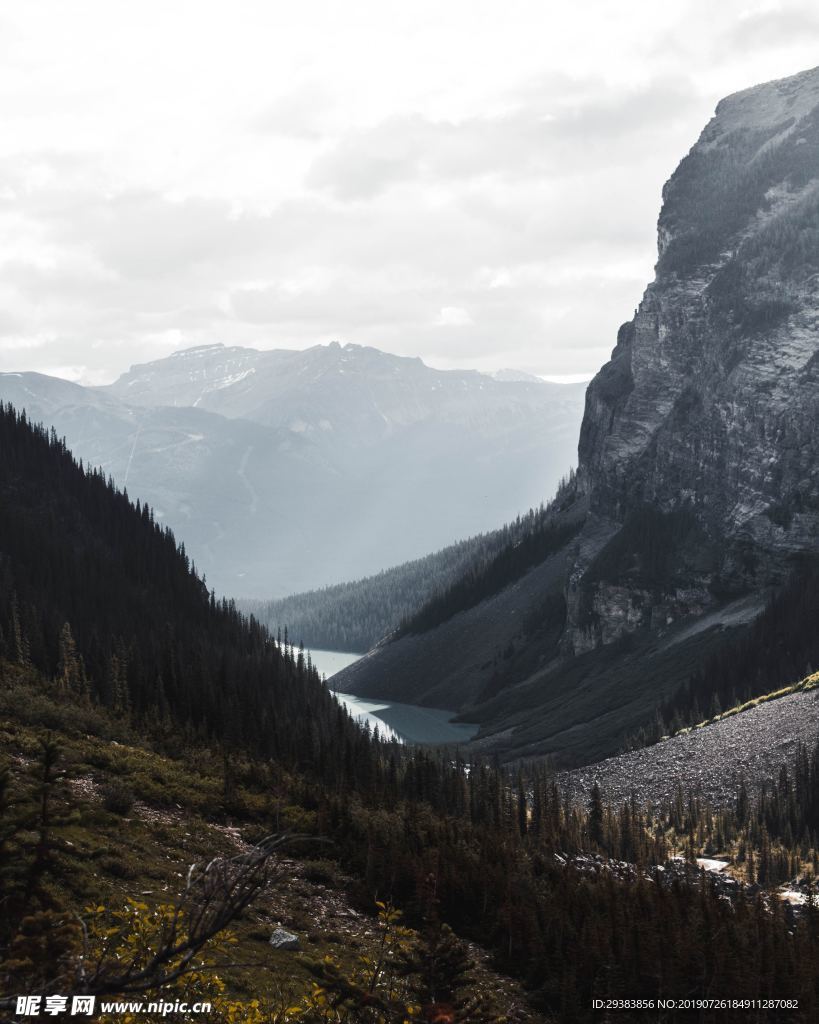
{"type": "Point", "coordinates": [454, 316]}
{"type": "Point", "coordinates": [386, 178]}
{"type": "Point", "coordinates": [143, 234]}
{"type": "Point", "coordinates": [538, 136]}
{"type": "Point", "coordinates": [792, 25]}
{"type": "Point", "coordinates": [517, 220]}
{"type": "Point", "coordinates": [10, 325]}
{"type": "Point", "coordinates": [451, 274]}
{"type": "Point", "coordinates": [300, 114]}
{"type": "Point", "coordinates": [351, 303]}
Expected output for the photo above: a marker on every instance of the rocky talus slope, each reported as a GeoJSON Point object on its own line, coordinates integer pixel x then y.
{"type": "Point", "coordinates": [712, 761]}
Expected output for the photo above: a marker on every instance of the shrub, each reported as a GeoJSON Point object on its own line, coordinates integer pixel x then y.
{"type": "Point", "coordinates": [117, 798]}
{"type": "Point", "coordinates": [322, 872]}
{"type": "Point", "coordinates": [119, 866]}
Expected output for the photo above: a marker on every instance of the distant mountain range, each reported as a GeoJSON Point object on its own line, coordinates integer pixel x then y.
{"type": "Point", "coordinates": [288, 470]}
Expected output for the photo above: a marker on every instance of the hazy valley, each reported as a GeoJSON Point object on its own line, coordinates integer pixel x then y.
{"type": "Point", "coordinates": [283, 471]}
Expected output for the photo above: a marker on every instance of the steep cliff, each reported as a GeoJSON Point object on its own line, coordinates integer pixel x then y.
{"type": "Point", "coordinates": [698, 480]}
{"type": "Point", "coordinates": [698, 449]}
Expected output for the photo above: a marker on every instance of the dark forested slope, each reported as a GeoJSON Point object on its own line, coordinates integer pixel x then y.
{"type": "Point", "coordinates": [781, 647]}
{"type": "Point", "coordinates": [355, 616]}
{"type": "Point", "coordinates": [97, 594]}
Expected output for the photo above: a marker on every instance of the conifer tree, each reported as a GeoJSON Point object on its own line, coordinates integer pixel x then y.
{"type": "Point", "coordinates": [596, 817]}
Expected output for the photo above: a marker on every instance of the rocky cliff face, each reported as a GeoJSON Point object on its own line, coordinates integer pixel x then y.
{"type": "Point", "coordinates": [699, 446]}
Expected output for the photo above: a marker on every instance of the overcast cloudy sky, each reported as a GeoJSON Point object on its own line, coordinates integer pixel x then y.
{"type": "Point", "coordinates": [473, 182]}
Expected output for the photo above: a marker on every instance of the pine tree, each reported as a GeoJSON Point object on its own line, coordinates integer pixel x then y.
{"type": "Point", "coordinates": [596, 817]}
{"type": "Point", "coordinates": [22, 649]}
{"type": "Point", "coordinates": [70, 670]}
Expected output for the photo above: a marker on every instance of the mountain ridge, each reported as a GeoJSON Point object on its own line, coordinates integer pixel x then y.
{"type": "Point", "coordinates": [363, 459]}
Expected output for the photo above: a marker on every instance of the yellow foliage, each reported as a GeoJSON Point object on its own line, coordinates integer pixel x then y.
{"type": "Point", "coordinates": [374, 992]}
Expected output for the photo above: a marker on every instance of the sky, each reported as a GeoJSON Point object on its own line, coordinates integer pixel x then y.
{"type": "Point", "coordinates": [476, 183]}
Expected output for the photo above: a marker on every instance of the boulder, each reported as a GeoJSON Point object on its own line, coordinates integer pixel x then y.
{"type": "Point", "coordinates": [283, 939]}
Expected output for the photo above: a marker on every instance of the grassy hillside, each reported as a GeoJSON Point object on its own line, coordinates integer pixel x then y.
{"type": "Point", "coordinates": [126, 824]}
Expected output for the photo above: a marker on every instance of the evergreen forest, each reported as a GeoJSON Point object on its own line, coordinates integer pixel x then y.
{"type": "Point", "coordinates": [118, 665]}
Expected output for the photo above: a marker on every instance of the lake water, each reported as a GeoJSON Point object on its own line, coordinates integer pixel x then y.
{"type": "Point", "coordinates": [410, 723]}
